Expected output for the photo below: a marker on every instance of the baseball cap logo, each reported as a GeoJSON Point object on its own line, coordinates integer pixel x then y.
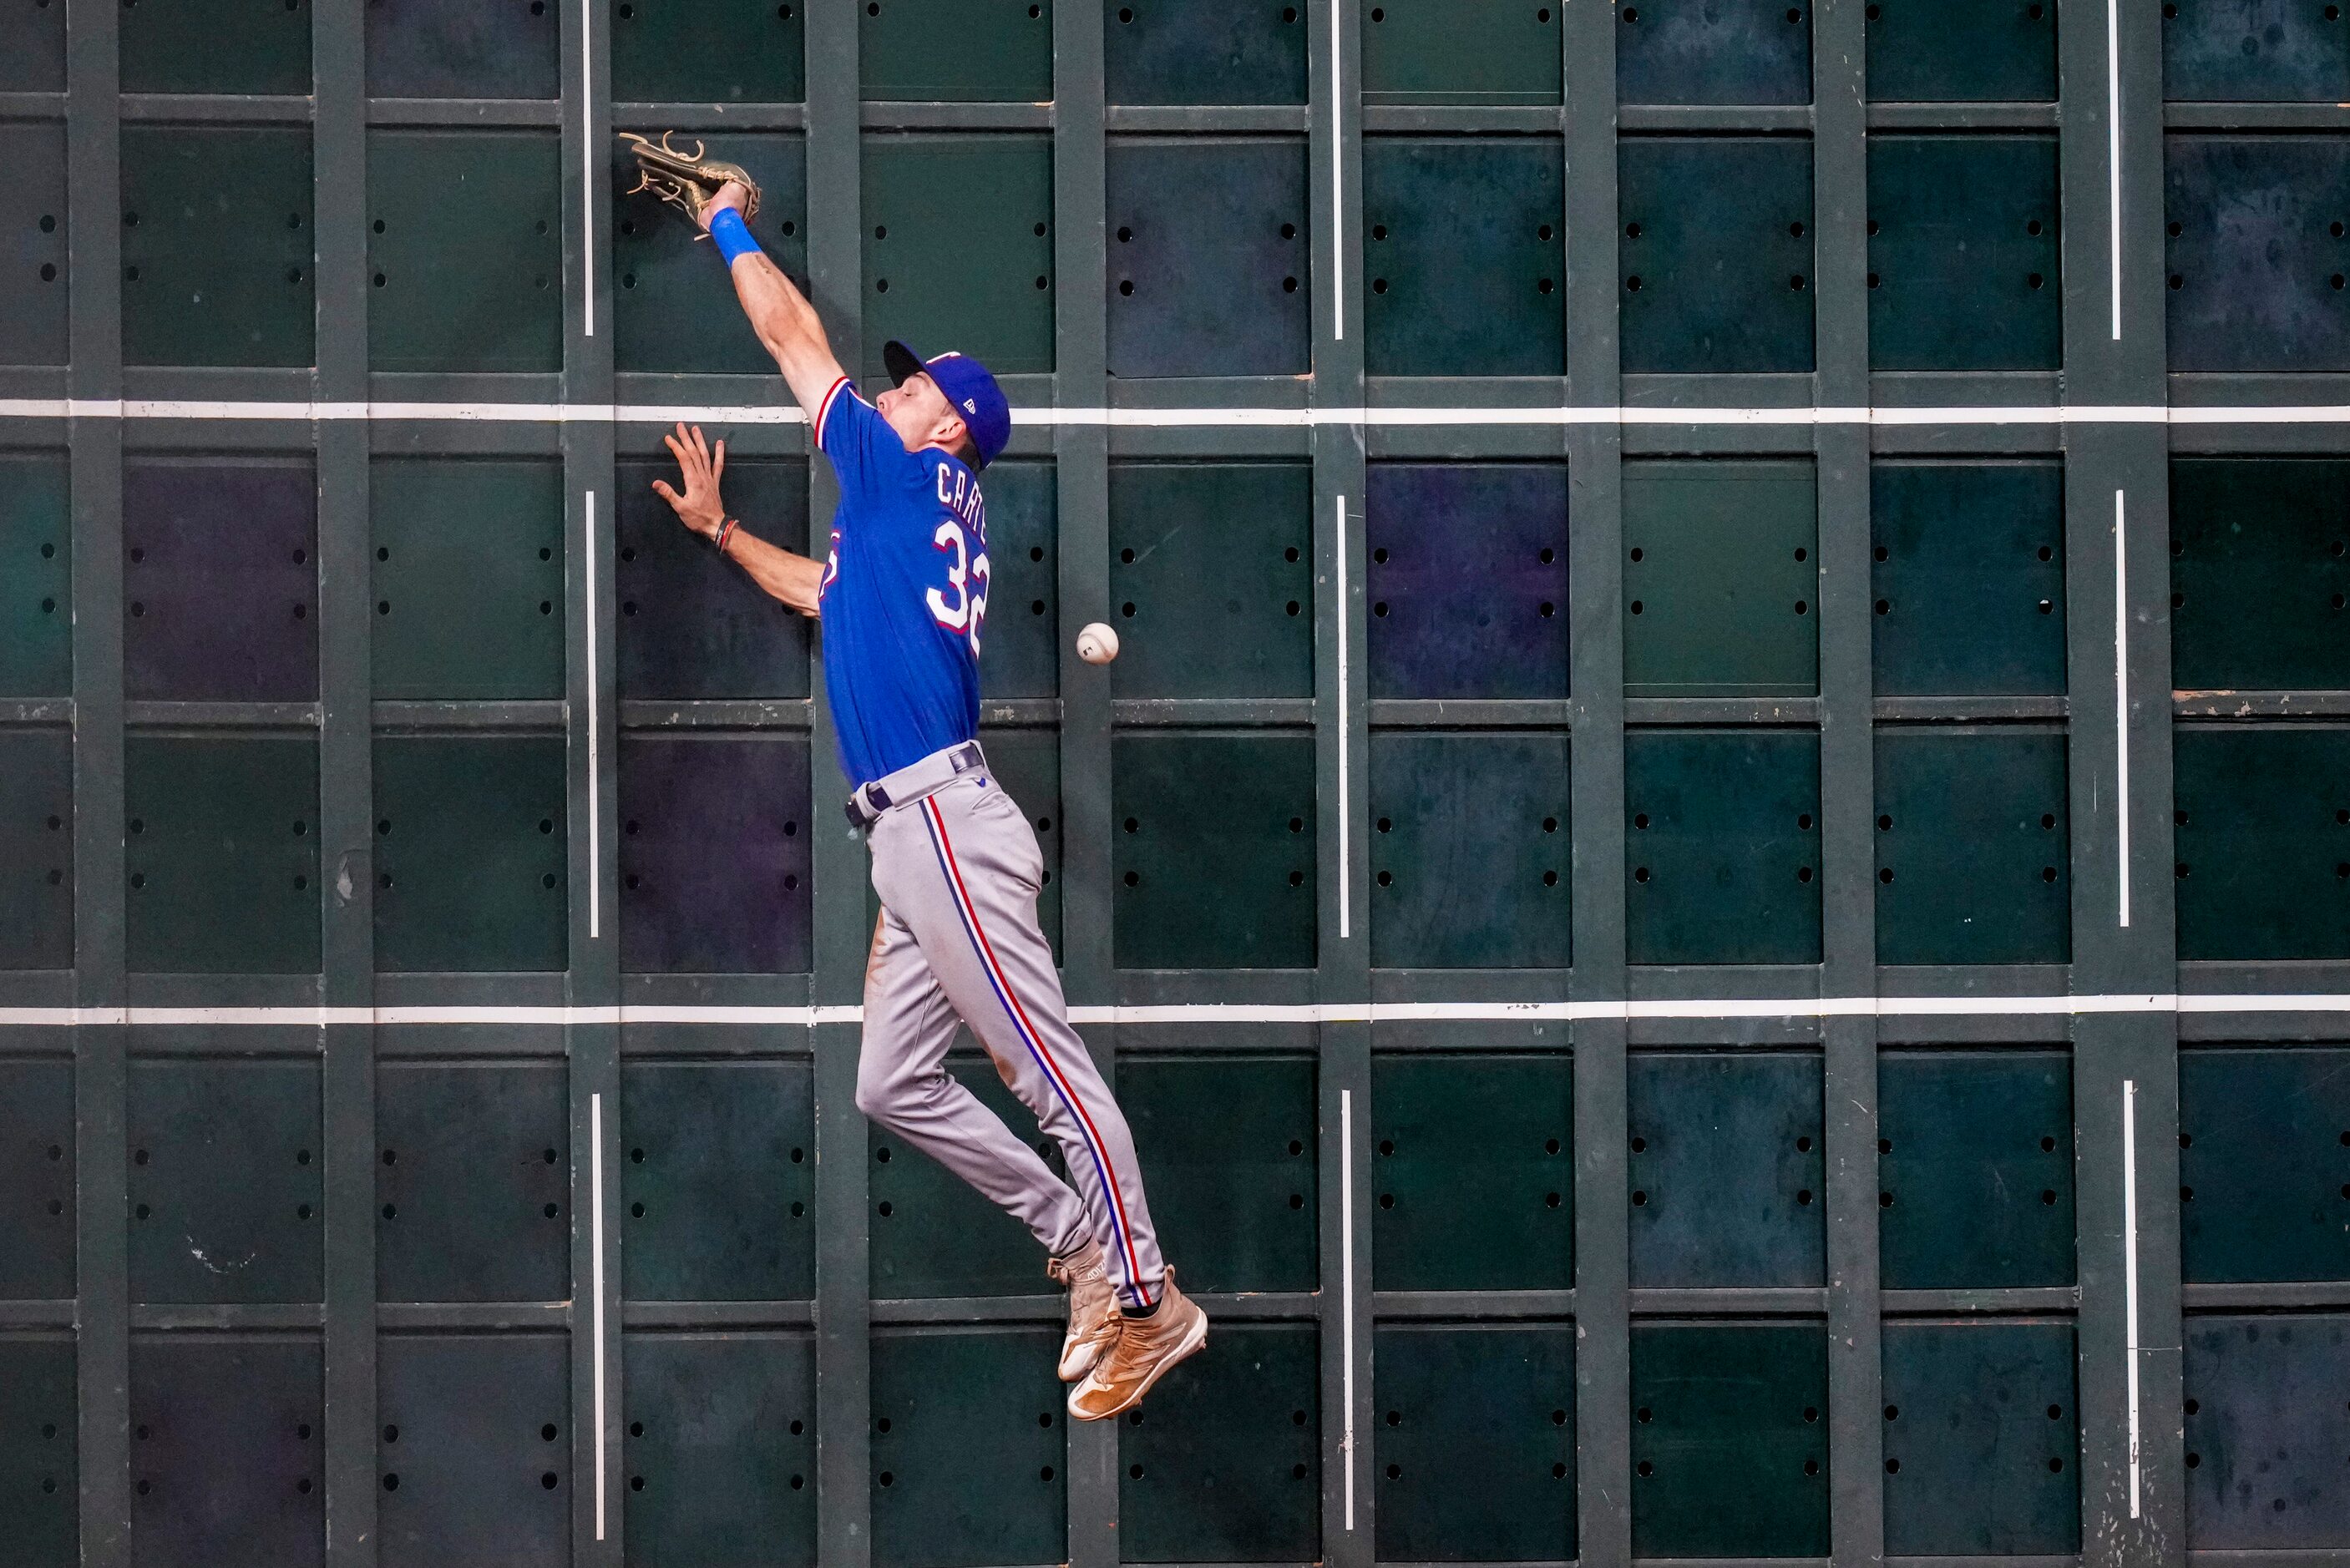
{"type": "Point", "coordinates": [970, 406]}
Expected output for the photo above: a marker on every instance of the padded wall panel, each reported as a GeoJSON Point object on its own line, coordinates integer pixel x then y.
{"type": "Point", "coordinates": [1684, 52]}
{"type": "Point", "coordinates": [216, 245]}
{"type": "Point", "coordinates": [1727, 1184]}
{"type": "Point", "coordinates": [1968, 578]}
{"type": "Point", "coordinates": [718, 1180]}
{"type": "Point", "coordinates": [1227, 1151]}
{"type": "Point", "coordinates": [2262, 836]}
{"type": "Point", "coordinates": [1464, 255]}
{"type": "Point", "coordinates": [714, 853]}
{"type": "Point", "coordinates": [1209, 257]}
{"type": "Point", "coordinates": [1205, 51]}
{"type": "Point", "coordinates": [1981, 1440]}
{"type": "Point", "coordinates": [465, 251]}
{"type": "Point", "coordinates": [1721, 579]}
{"type": "Point", "coordinates": [1470, 862]}
{"type": "Point", "coordinates": [1724, 847]}
{"type": "Point", "coordinates": [942, 272]}
{"type": "Point", "coordinates": [469, 853]}
{"type": "Point", "coordinates": [222, 855]}
{"type": "Point", "coordinates": [1973, 852]}
{"type": "Point", "coordinates": [37, 1205]}
{"type": "Point", "coordinates": [473, 1182]}
{"type": "Point", "coordinates": [2264, 1163]}
{"type": "Point", "coordinates": [1474, 1171]}
{"type": "Point", "coordinates": [1222, 1466]}
{"type": "Point", "coordinates": [1963, 253]}
{"type": "Point", "coordinates": [220, 579]}
{"type": "Point", "coordinates": [721, 1448]}
{"type": "Point", "coordinates": [474, 1449]}
{"type": "Point", "coordinates": [227, 1439]}
{"type": "Point", "coordinates": [968, 1449]}
{"type": "Point", "coordinates": [225, 1180]}
{"type": "Point", "coordinates": [709, 51]}
{"type": "Point", "coordinates": [673, 309]}
{"type": "Point", "coordinates": [2253, 252]}
{"type": "Point", "coordinates": [39, 1507]}
{"type": "Point", "coordinates": [1716, 253]}
{"type": "Point", "coordinates": [1729, 1440]}
{"type": "Point", "coordinates": [1953, 51]}
{"type": "Point", "coordinates": [461, 48]}
{"type": "Point", "coordinates": [1467, 579]}
{"type": "Point", "coordinates": [1975, 1170]}
{"type": "Point", "coordinates": [1474, 1445]}
{"type": "Point", "coordinates": [692, 626]}
{"type": "Point", "coordinates": [37, 589]}
{"type": "Point", "coordinates": [2267, 1467]}
{"type": "Point", "coordinates": [33, 237]}
{"type": "Point", "coordinates": [1214, 854]}
{"type": "Point", "coordinates": [1211, 579]}
{"type": "Point", "coordinates": [36, 855]}
{"type": "Point", "coordinates": [2259, 573]}
{"type": "Point", "coordinates": [468, 564]}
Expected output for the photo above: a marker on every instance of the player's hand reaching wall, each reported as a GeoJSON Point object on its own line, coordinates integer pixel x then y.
{"type": "Point", "coordinates": [778, 312]}
{"type": "Point", "coordinates": [795, 579]}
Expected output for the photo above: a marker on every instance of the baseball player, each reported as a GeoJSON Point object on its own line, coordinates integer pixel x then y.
{"type": "Point", "coordinates": [902, 595]}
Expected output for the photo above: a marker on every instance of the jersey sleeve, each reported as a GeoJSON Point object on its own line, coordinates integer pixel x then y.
{"type": "Point", "coordinates": [865, 453]}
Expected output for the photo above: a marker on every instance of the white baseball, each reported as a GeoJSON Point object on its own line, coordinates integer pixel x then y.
{"type": "Point", "coordinates": [1097, 644]}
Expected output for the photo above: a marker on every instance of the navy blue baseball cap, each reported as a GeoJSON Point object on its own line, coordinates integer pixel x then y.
{"type": "Point", "coordinates": [967, 385]}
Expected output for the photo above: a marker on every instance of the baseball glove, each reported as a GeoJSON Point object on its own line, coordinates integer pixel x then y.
{"type": "Point", "coordinates": [685, 179]}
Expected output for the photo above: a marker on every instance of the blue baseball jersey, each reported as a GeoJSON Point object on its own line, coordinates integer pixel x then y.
{"type": "Point", "coordinates": [905, 591]}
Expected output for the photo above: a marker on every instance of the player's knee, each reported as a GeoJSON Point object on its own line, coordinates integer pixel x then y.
{"type": "Point", "coordinates": [874, 1097]}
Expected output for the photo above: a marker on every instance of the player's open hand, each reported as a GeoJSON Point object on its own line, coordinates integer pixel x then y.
{"type": "Point", "coordinates": [700, 466]}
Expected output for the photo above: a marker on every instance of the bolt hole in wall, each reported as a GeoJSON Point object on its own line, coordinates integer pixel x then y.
{"type": "Point", "coordinates": [221, 846]}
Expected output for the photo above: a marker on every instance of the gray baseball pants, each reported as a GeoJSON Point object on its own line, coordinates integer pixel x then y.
{"type": "Point", "coordinates": [959, 872]}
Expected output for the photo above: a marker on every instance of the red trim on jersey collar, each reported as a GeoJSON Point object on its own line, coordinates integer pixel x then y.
{"type": "Point", "coordinates": [823, 407]}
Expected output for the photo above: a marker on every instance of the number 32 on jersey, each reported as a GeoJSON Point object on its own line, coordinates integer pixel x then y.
{"type": "Point", "coordinates": [961, 605]}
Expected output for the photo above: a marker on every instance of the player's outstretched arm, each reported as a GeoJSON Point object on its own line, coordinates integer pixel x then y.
{"type": "Point", "coordinates": [779, 313]}
{"type": "Point", "coordinates": [793, 578]}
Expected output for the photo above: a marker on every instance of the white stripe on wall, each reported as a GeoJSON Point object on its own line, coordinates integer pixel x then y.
{"type": "Point", "coordinates": [801, 1017]}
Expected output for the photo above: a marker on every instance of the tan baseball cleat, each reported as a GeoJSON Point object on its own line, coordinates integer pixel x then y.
{"type": "Point", "coordinates": [1094, 1320]}
{"type": "Point", "coordinates": [1142, 1354]}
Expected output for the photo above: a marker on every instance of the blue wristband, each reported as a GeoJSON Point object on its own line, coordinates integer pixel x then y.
{"type": "Point", "coordinates": [733, 235]}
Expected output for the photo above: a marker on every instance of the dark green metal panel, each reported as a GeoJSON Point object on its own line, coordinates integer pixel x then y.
{"type": "Point", "coordinates": [1474, 1448]}
{"type": "Point", "coordinates": [708, 51]}
{"type": "Point", "coordinates": [1724, 51]}
{"type": "Point", "coordinates": [1972, 848]}
{"type": "Point", "coordinates": [2264, 1164]}
{"type": "Point", "coordinates": [1962, 254]}
{"type": "Point", "coordinates": [216, 47]}
{"type": "Point", "coordinates": [37, 1189]}
{"type": "Point", "coordinates": [475, 1449]}
{"type": "Point", "coordinates": [2264, 1458]}
{"type": "Point", "coordinates": [1214, 853]}
{"type": "Point", "coordinates": [468, 577]}
{"type": "Point", "coordinates": [1474, 1174]}
{"type": "Point", "coordinates": [1467, 579]}
{"type": "Point", "coordinates": [933, 1235]}
{"type": "Point", "coordinates": [222, 853]}
{"type": "Point", "coordinates": [1469, 851]}
{"type": "Point", "coordinates": [200, 284]}
{"type": "Point", "coordinates": [470, 870]}
{"type": "Point", "coordinates": [1227, 1152]}
{"type": "Point", "coordinates": [475, 1182]}
{"type": "Point", "coordinates": [1729, 1440]}
{"type": "Point", "coordinates": [33, 47]}
{"type": "Point", "coordinates": [1962, 51]}
{"type": "Point", "coordinates": [959, 250]}
{"type": "Point", "coordinates": [1212, 577]}
{"type": "Point", "coordinates": [2259, 567]}
{"type": "Point", "coordinates": [1728, 1187]}
{"type": "Point", "coordinates": [956, 51]}
{"type": "Point", "coordinates": [220, 579]}
{"type": "Point", "coordinates": [1222, 1465]}
{"type": "Point", "coordinates": [37, 589]}
{"type": "Point", "coordinates": [36, 855]}
{"type": "Point", "coordinates": [2266, 51]}
{"type": "Point", "coordinates": [1027, 767]}
{"type": "Point", "coordinates": [1716, 254]}
{"type": "Point", "coordinates": [1721, 579]}
{"type": "Point", "coordinates": [1461, 51]}
{"type": "Point", "coordinates": [1209, 270]}
{"type": "Point", "coordinates": [465, 251]}
{"type": "Point", "coordinates": [33, 239]}
{"type": "Point", "coordinates": [1205, 51]}
{"type": "Point", "coordinates": [1724, 847]}
{"type": "Point", "coordinates": [721, 1449]}
{"type": "Point", "coordinates": [1021, 645]}
{"type": "Point", "coordinates": [714, 853]}
{"type": "Point", "coordinates": [1463, 253]}
{"type": "Point", "coordinates": [1968, 578]}
{"type": "Point", "coordinates": [2263, 843]}
{"type": "Point", "coordinates": [968, 1449]}
{"type": "Point", "coordinates": [461, 48]}
{"type": "Point", "coordinates": [1980, 1440]}
{"type": "Point", "coordinates": [39, 1504]}
{"type": "Point", "coordinates": [224, 1165]}
{"type": "Point", "coordinates": [2251, 253]}
{"type": "Point", "coordinates": [675, 308]}
{"type": "Point", "coordinates": [1976, 1158]}
{"type": "Point", "coordinates": [223, 1431]}
{"type": "Point", "coordinates": [718, 1182]}
{"type": "Point", "coordinates": [692, 625]}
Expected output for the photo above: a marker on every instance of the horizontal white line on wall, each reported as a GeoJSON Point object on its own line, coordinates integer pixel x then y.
{"type": "Point", "coordinates": [1127, 418]}
{"type": "Point", "coordinates": [1223, 1012]}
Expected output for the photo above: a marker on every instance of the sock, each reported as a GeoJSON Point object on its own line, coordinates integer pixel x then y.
{"type": "Point", "coordinates": [1151, 1310]}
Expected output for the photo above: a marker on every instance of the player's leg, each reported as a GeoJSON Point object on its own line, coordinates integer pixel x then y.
{"type": "Point", "coordinates": [961, 869]}
{"type": "Point", "coordinates": [902, 1084]}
